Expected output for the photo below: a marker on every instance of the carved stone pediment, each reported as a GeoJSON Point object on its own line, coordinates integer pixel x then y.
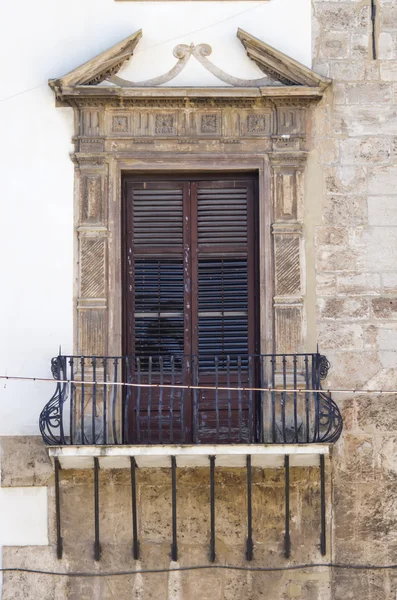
{"type": "Point", "coordinates": [279, 66]}
{"type": "Point", "coordinates": [101, 67]}
{"type": "Point", "coordinates": [284, 76]}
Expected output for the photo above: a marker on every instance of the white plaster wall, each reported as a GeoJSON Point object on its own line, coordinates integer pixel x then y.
{"type": "Point", "coordinates": [45, 39]}
{"type": "Point", "coordinates": [23, 518]}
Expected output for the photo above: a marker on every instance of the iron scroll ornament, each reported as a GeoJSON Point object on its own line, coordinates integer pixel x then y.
{"type": "Point", "coordinates": [97, 417]}
{"type": "Point", "coordinates": [51, 417]}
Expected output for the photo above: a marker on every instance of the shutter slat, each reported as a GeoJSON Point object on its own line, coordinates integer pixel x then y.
{"type": "Point", "coordinates": [223, 288]}
{"type": "Point", "coordinates": [222, 216]}
{"type": "Point", "coordinates": [158, 217]}
{"type": "Point", "coordinates": [158, 285]}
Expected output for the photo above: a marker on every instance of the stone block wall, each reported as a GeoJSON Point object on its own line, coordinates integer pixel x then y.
{"type": "Point", "coordinates": [355, 141]}
{"type": "Point", "coordinates": [25, 463]}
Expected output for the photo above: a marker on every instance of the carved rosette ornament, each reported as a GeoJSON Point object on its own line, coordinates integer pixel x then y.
{"type": "Point", "coordinates": [121, 125]}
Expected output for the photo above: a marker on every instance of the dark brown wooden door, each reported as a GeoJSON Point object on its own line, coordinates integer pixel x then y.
{"type": "Point", "coordinates": [189, 306]}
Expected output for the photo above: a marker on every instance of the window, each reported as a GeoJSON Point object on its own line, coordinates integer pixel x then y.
{"type": "Point", "coordinates": [190, 286]}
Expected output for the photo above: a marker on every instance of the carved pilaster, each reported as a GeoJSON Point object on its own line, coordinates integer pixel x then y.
{"type": "Point", "coordinates": [287, 228]}
{"type": "Point", "coordinates": [92, 240]}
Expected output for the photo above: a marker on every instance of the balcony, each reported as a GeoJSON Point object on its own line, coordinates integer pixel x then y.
{"type": "Point", "coordinates": [262, 411]}
{"type": "Point", "coordinates": [190, 402]}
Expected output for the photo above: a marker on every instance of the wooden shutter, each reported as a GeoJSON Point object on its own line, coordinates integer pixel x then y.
{"type": "Point", "coordinates": [155, 264]}
{"type": "Point", "coordinates": [190, 288]}
{"type": "Point", "coordinates": [223, 266]}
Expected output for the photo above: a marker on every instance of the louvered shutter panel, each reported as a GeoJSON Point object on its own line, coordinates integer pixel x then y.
{"type": "Point", "coordinates": [157, 237]}
{"type": "Point", "coordinates": [222, 278]}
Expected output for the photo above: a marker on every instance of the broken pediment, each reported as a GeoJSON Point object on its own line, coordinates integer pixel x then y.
{"type": "Point", "coordinates": [283, 76]}
{"type": "Point", "coordinates": [279, 66]}
{"type": "Point", "coordinates": [102, 66]}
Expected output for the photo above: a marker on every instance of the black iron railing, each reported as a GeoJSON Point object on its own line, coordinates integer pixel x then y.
{"type": "Point", "coordinates": [178, 399]}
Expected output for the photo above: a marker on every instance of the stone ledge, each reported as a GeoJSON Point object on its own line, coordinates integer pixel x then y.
{"type": "Point", "coordinates": [227, 455]}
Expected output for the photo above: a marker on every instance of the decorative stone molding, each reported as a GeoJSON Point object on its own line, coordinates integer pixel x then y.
{"type": "Point", "coordinates": [121, 128]}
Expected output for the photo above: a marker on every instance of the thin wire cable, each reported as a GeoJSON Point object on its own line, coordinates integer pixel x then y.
{"type": "Point", "coordinates": [330, 565]}
{"type": "Point", "coordinates": [24, 92]}
{"type": "Point", "coordinates": [155, 45]}
{"type": "Point", "coordinates": [199, 387]}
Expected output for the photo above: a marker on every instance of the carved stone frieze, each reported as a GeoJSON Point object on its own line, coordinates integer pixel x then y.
{"type": "Point", "coordinates": [209, 123]}
{"type": "Point", "coordinates": [228, 122]}
{"type": "Point", "coordinates": [291, 121]}
{"type": "Point", "coordinates": [259, 123]}
{"type": "Point", "coordinates": [164, 124]}
{"type": "Point", "coordinates": [120, 124]}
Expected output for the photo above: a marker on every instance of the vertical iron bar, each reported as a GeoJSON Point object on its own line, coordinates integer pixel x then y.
{"type": "Point", "coordinates": [295, 400]}
{"type": "Point", "coordinates": [307, 396]}
{"type": "Point", "coordinates": [97, 546]}
{"type": "Point", "coordinates": [216, 359]}
{"type": "Point", "coordinates": [172, 361]}
{"type": "Point", "coordinates": [127, 398]}
{"type": "Point", "coordinates": [105, 391]}
{"type": "Point", "coordinates": [261, 410]}
{"type": "Point", "coordinates": [195, 401]}
{"type": "Point", "coordinates": [174, 545]}
{"type": "Point", "coordinates": [138, 401]}
{"type": "Point", "coordinates": [135, 540]}
{"type": "Point", "coordinates": [58, 510]}
{"type": "Point", "coordinates": [250, 413]}
{"type": "Point", "coordinates": [274, 433]}
{"type": "Point", "coordinates": [72, 388]}
{"type": "Point", "coordinates": [115, 375]}
{"type": "Point", "coordinates": [183, 402]}
{"type": "Point", "coordinates": [240, 407]}
{"type": "Point", "coordinates": [315, 380]}
{"type": "Point", "coordinates": [373, 22]}
{"type": "Point", "coordinates": [161, 390]}
{"type": "Point", "coordinates": [63, 375]}
{"type": "Point", "coordinates": [82, 400]}
{"type": "Point", "coordinates": [93, 362]}
{"type": "Point", "coordinates": [323, 541]}
{"type": "Point", "coordinates": [212, 508]}
{"type": "Point", "coordinates": [229, 398]}
{"type": "Point", "coordinates": [250, 545]}
{"type": "Point", "coordinates": [287, 538]}
{"type": "Point", "coordinates": [149, 403]}
{"type": "Point", "coordinates": [284, 397]}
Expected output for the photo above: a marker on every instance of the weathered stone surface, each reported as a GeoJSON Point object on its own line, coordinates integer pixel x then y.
{"type": "Point", "coordinates": [345, 210]}
{"type": "Point", "coordinates": [346, 336]}
{"type": "Point", "coordinates": [350, 308]}
{"type": "Point", "coordinates": [356, 284]}
{"type": "Point", "coordinates": [384, 308]}
{"type": "Point", "coordinates": [381, 243]}
{"type": "Point", "coordinates": [24, 461]}
{"type": "Point", "coordinates": [366, 150]}
{"type": "Point", "coordinates": [346, 180]}
{"type": "Point", "coordinates": [389, 281]}
{"type": "Point", "coordinates": [342, 17]}
{"type": "Point", "coordinates": [382, 211]}
{"type": "Point", "coordinates": [334, 45]}
{"type": "Point", "coordinates": [369, 93]}
{"type": "Point", "coordinates": [388, 70]}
